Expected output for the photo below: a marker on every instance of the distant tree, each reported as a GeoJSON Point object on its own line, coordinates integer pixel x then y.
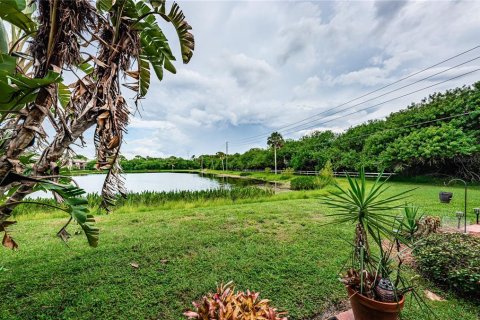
{"type": "Point", "coordinates": [80, 156]}
{"type": "Point", "coordinates": [221, 155]}
{"type": "Point", "coordinates": [275, 141]}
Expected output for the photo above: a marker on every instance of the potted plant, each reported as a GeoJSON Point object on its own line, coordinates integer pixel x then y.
{"type": "Point", "coordinates": [445, 197]}
{"type": "Point", "coordinates": [373, 280]}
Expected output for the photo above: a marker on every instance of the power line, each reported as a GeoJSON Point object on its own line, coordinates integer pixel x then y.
{"type": "Point", "coordinates": [398, 97]}
{"type": "Point", "coordinates": [367, 94]}
{"type": "Point", "coordinates": [378, 104]}
{"type": "Point", "coordinates": [374, 98]}
{"type": "Point", "coordinates": [414, 124]}
{"type": "Point", "coordinates": [386, 93]}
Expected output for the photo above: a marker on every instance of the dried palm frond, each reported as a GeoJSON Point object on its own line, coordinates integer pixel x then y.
{"type": "Point", "coordinates": [130, 35]}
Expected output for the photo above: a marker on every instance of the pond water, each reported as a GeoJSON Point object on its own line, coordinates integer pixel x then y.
{"type": "Point", "coordinates": [156, 181]}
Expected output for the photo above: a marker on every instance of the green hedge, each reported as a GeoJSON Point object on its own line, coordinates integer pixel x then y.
{"type": "Point", "coordinates": [304, 183]}
{"type": "Point", "coordinates": [452, 260]}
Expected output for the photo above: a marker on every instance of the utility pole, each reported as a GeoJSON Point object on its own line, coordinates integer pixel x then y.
{"type": "Point", "coordinates": [226, 156]}
{"type": "Point", "coordinates": [275, 151]}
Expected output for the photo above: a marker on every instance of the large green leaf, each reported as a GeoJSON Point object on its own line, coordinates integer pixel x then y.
{"type": "Point", "coordinates": [3, 39]}
{"type": "Point", "coordinates": [187, 42]}
{"type": "Point", "coordinates": [144, 74]}
{"type": "Point", "coordinates": [86, 67]}
{"type": "Point", "coordinates": [153, 55]}
{"type": "Point", "coordinates": [105, 5]}
{"type": "Point", "coordinates": [11, 11]}
{"type": "Point", "coordinates": [7, 65]}
{"type": "Point", "coordinates": [21, 4]}
{"type": "Point", "coordinates": [63, 94]}
{"type": "Point", "coordinates": [73, 203]}
{"type": "Point", "coordinates": [77, 208]}
{"type": "Point", "coordinates": [18, 90]}
{"type": "Point", "coordinates": [169, 66]}
{"type": "Point", "coordinates": [154, 45]}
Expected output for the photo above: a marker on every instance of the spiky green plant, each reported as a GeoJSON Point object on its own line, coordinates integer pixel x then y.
{"type": "Point", "coordinates": [409, 223]}
{"type": "Point", "coordinates": [373, 214]}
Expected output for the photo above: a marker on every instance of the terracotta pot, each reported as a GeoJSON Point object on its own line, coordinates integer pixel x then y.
{"type": "Point", "coordinates": [368, 309]}
{"type": "Point", "coordinates": [445, 197]}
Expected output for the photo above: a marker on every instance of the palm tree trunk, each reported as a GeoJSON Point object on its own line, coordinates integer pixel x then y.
{"type": "Point", "coordinates": [51, 154]}
{"type": "Point", "coordinates": [26, 134]}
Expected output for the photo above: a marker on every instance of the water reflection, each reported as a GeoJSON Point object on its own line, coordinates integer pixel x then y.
{"type": "Point", "coordinates": [158, 181]}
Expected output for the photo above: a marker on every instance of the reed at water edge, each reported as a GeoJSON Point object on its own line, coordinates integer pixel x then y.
{"type": "Point", "coordinates": [169, 199]}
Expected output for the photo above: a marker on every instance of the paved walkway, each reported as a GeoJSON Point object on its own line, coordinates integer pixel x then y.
{"type": "Point", "coordinates": [347, 315]}
{"type": "Point", "coordinates": [474, 229]}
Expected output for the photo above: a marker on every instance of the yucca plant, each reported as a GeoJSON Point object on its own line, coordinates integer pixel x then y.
{"type": "Point", "coordinates": [376, 261]}
{"type": "Point", "coordinates": [226, 304]}
{"type": "Point", "coordinates": [373, 214]}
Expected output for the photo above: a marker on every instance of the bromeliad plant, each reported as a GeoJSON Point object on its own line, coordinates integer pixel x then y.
{"type": "Point", "coordinates": [226, 304]}
{"type": "Point", "coordinates": [372, 213]}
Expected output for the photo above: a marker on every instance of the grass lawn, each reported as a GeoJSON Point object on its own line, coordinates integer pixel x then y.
{"type": "Point", "coordinates": [276, 246]}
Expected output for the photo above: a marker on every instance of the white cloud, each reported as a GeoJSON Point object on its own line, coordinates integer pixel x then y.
{"type": "Point", "coordinates": [259, 66]}
{"type": "Point", "coordinates": [307, 88]}
{"type": "Point", "coordinates": [249, 72]}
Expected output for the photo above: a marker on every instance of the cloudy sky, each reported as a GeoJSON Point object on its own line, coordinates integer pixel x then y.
{"type": "Point", "coordinates": [261, 66]}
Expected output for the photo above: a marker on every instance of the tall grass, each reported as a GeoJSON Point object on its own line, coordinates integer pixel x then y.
{"type": "Point", "coordinates": [157, 199]}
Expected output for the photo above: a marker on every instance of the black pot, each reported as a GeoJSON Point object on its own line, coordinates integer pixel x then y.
{"type": "Point", "coordinates": [445, 197]}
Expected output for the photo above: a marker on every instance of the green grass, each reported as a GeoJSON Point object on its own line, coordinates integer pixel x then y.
{"type": "Point", "coordinates": [164, 199]}
{"type": "Point", "coordinates": [258, 175]}
{"type": "Point", "coordinates": [275, 245]}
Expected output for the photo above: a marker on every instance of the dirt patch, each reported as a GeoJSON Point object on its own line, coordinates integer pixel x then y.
{"type": "Point", "coordinates": [332, 310]}
{"type": "Point", "coordinates": [403, 253]}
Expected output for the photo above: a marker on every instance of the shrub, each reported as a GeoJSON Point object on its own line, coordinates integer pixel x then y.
{"type": "Point", "coordinates": [304, 183]}
{"type": "Point", "coordinates": [452, 260]}
{"type": "Point", "coordinates": [288, 172]}
{"type": "Point", "coordinates": [326, 176]}
{"type": "Point", "coordinates": [268, 170]}
{"type": "Point", "coordinates": [226, 304]}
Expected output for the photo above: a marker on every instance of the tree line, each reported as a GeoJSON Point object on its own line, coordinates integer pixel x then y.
{"type": "Point", "coordinates": [437, 136]}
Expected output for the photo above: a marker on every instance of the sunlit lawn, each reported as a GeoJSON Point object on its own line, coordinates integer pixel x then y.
{"type": "Point", "coordinates": [279, 248]}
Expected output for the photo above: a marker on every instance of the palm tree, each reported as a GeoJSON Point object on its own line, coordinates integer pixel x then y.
{"type": "Point", "coordinates": [221, 155]}
{"type": "Point", "coordinates": [275, 141]}
{"type": "Point", "coordinates": [99, 46]}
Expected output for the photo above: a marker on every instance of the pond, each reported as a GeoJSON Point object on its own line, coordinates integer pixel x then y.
{"type": "Point", "coordinates": [157, 181]}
